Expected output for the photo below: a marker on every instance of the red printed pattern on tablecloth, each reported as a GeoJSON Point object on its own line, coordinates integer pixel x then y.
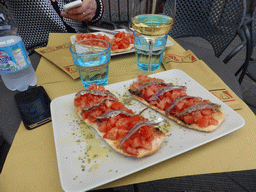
{"type": "Point", "coordinates": [223, 95]}
{"type": "Point", "coordinates": [182, 59]}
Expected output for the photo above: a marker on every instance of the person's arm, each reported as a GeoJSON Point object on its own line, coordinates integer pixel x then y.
{"type": "Point", "coordinates": [90, 11]}
{"type": "Point", "coordinates": [99, 12]}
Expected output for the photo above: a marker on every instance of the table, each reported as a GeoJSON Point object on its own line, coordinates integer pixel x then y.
{"type": "Point", "coordinates": [31, 164]}
{"type": "Point", "coordinates": [10, 117]}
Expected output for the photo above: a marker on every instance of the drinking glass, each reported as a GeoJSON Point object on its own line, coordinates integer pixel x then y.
{"type": "Point", "coordinates": [153, 19]}
{"type": "Point", "coordinates": [92, 58]}
{"type": "Point", "coordinates": [142, 50]}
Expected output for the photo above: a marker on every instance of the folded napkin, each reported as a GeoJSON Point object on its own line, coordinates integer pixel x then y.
{"type": "Point", "coordinates": [57, 51]}
{"type": "Point", "coordinates": [203, 74]}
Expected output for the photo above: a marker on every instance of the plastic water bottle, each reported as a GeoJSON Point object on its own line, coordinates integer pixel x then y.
{"type": "Point", "coordinates": [15, 66]}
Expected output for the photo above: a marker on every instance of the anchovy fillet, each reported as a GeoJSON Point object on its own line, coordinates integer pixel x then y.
{"type": "Point", "coordinates": [136, 128]}
{"type": "Point", "coordinates": [163, 90]}
{"type": "Point", "coordinates": [138, 89]}
{"type": "Point", "coordinates": [176, 101]}
{"type": "Point", "coordinates": [199, 106]}
{"type": "Point", "coordinates": [95, 92]}
{"type": "Point", "coordinates": [114, 113]}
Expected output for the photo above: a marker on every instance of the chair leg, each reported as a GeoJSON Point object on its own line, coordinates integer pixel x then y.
{"type": "Point", "coordinates": [249, 48]}
{"type": "Point", "coordinates": [243, 68]}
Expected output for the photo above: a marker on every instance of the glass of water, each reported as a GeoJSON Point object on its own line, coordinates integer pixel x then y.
{"type": "Point", "coordinates": [145, 61]}
{"type": "Point", "coordinates": [92, 58]}
{"type": "Point", "coordinates": [152, 19]}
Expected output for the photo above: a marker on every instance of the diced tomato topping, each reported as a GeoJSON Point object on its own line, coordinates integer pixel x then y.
{"type": "Point", "coordinates": [202, 118]}
{"type": "Point", "coordinates": [121, 40]}
{"type": "Point", "coordinates": [116, 127]}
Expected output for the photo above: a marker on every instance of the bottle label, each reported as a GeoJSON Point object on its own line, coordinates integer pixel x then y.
{"type": "Point", "coordinates": [13, 57]}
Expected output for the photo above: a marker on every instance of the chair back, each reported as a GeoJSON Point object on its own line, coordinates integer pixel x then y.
{"type": "Point", "coordinates": [254, 26]}
{"type": "Point", "coordinates": [120, 11]}
{"type": "Point", "coordinates": [214, 20]}
{"type": "Point", "coordinates": [117, 11]}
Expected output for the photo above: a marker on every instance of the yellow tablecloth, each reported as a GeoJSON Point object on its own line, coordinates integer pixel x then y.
{"type": "Point", "coordinates": [31, 164]}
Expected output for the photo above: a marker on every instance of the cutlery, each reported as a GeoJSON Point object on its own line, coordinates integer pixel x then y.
{"type": "Point", "coordinates": [103, 30]}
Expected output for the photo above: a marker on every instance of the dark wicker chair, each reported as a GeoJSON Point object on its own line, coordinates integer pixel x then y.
{"type": "Point", "coordinates": [119, 12]}
{"type": "Point", "coordinates": [249, 66]}
{"type": "Point", "coordinates": [213, 20]}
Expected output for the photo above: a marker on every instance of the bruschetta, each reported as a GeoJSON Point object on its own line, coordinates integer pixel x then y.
{"type": "Point", "coordinates": [127, 133]}
{"type": "Point", "coordinates": [173, 102]}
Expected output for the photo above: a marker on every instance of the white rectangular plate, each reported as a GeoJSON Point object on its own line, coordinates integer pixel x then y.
{"type": "Point", "coordinates": [85, 161]}
{"type": "Point", "coordinates": [73, 38]}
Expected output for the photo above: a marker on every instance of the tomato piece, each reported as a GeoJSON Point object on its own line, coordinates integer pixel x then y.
{"type": "Point", "coordinates": [91, 119]}
{"type": "Point", "coordinates": [103, 127]}
{"type": "Point", "coordinates": [93, 86]}
{"type": "Point", "coordinates": [117, 106]}
{"type": "Point", "coordinates": [136, 142]}
{"type": "Point", "coordinates": [101, 88]}
{"type": "Point", "coordinates": [146, 131]}
{"type": "Point", "coordinates": [161, 104]}
{"type": "Point", "coordinates": [203, 122]}
{"type": "Point", "coordinates": [136, 118]}
{"type": "Point", "coordinates": [112, 134]}
{"type": "Point", "coordinates": [95, 113]}
{"type": "Point", "coordinates": [112, 121]}
{"type": "Point", "coordinates": [123, 44]}
{"type": "Point", "coordinates": [175, 94]}
{"type": "Point", "coordinates": [147, 93]}
{"type": "Point", "coordinates": [181, 105]}
{"type": "Point", "coordinates": [197, 115]}
{"type": "Point", "coordinates": [119, 35]}
{"type": "Point", "coordinates": [206, 112]}
{"type": "Point", "coordinates": [122, 133]}
{"type": "Point", "coordinates": [77, 101]}
{"type": "Point", "coordinates": [114, 47]}
{"type": "Point", "coordinates": [188, 119]}
{"type": "Point", "coordinates": [147, 145]}
{"type": "Point", "coordinates": [132, 151]}
{"type": "Point", "coordinates": [85, 115]}
{"type": "Point", "coordinates": [213, 122]}
{"type": "Point", "coordinates": [123, 123]}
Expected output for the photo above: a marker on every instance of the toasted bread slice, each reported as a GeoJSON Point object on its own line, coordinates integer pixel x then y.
{"type": "Point", "coordinates": [218, 114]}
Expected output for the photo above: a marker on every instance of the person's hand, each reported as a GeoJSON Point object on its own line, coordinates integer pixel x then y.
{"type": "Point", "coordinates": [85, 12]}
